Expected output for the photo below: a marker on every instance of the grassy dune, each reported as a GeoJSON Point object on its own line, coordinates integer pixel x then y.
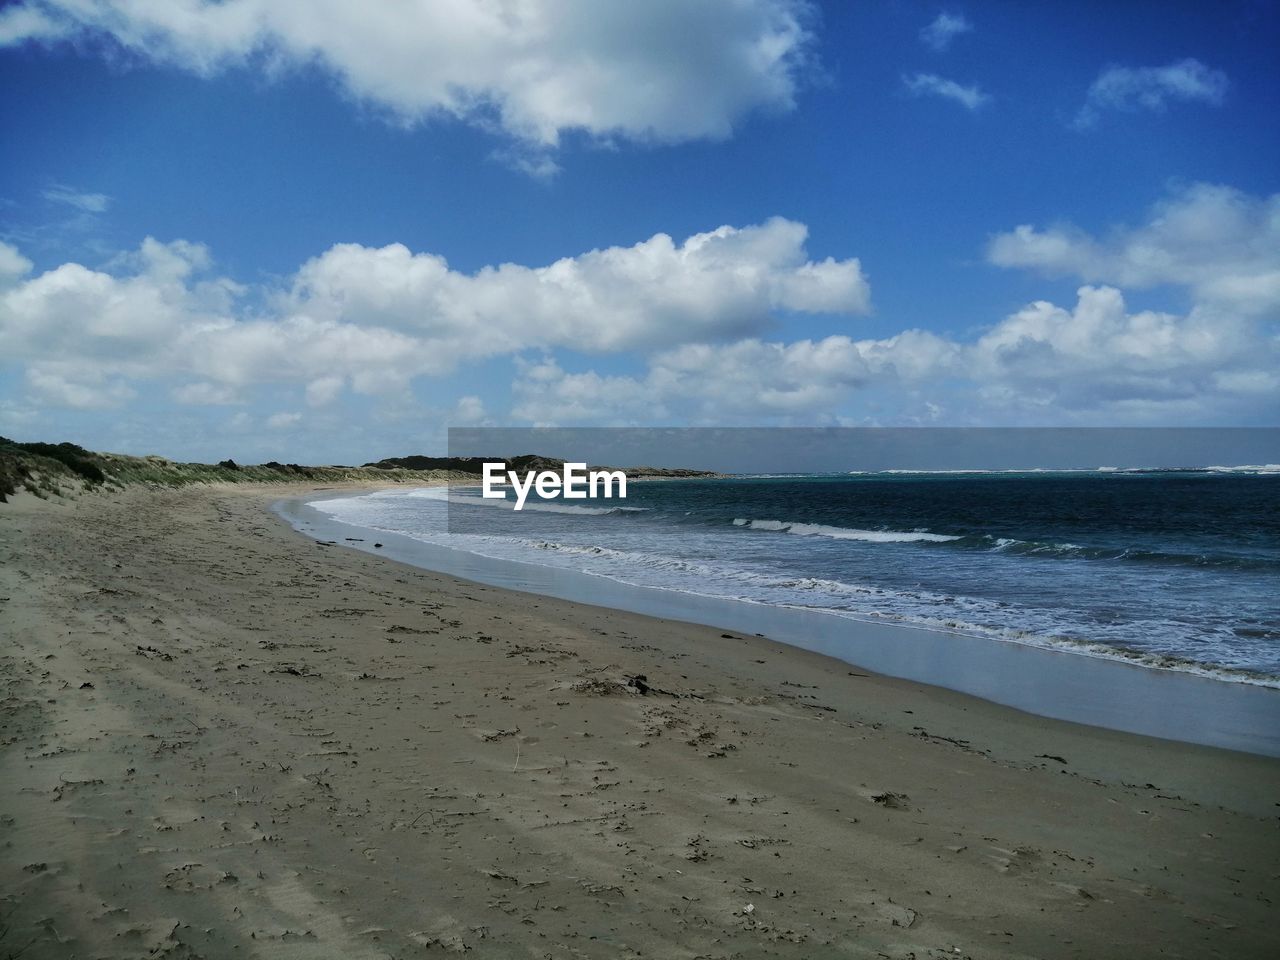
{"type": "Point", "coordinates": [66, 469]}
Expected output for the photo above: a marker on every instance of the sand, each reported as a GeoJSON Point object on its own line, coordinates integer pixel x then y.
{"type": "Point", "coordinates": [222, 739]}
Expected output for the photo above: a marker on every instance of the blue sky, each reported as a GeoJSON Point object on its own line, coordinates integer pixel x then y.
{"type": "Point", "coordinates": [277, 230]}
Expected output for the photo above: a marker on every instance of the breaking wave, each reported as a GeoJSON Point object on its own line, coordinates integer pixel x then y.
{"type": "Point", "coordinates": [844, 533]}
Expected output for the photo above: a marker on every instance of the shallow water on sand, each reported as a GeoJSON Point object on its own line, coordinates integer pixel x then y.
{"type": "Point", "coordinates": [1176, 568]}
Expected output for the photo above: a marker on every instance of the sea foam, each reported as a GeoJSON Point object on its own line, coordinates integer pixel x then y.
{"type": "Point", "coordinates": [844, 533]}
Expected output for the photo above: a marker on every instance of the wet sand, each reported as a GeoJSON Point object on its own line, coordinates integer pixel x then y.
{"type": "Point", "coordinates": [223, 739]}
{"type": "Point", "coordinates": [1152, 699]}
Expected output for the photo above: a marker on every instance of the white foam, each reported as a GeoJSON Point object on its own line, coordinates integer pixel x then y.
{"type": "Point", "coordinates": [1255, 468]}
{"type": "Point", "coordinates": [446, 494]}
{"type": "Point", "coordinates": [711, 573]}
{"type": "Point", "coordinates": [844, 533]}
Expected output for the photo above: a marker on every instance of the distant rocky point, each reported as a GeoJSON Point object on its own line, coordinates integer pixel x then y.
{"type": "Point", "coordinates": [529, 462]}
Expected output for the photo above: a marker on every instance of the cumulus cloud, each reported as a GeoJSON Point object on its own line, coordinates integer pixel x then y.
{"type": "Point", "coordinates": [85, 202]}
{"type": "Point", "coordinates": [1095, 361]}
{"type": "Point", "coordinates": [323, 391]}
{"type": "Point", "coordinates": [747, 381]}
{"type": "Point", "coordinates": [929, 84]}
{"type": "Point", "coordinates": [1098, 355]}
{"type": "Point", "coordinates": [759, 378]}
{"type": "Point", "coordinates": [13, 265]}
{"type": "Point", "coordinates": [944, 28]}
{"type": "Point", "coordinates": [76, 385]}
{"type": "Point", "coordinates": [750, 380]}
{"type": "Point", "coordinates": [373, 319]}
{"type": "Point", "coordinates": [1222, 243]}
{"type": "Point", "coordinates": [1043, 363]}
{"type": "Point", "coordinates": [724, 283]}
{"type": "Point", "coordinates": [1131, 89]}
{"type": "Point", "coordinates": [545, 394]}
{"type": "Point", "coordinates": [468, 410]}
{"type": "Point", "coordinates": [696, 315]}
{"type": "Point", "coordinates": [656, 71]}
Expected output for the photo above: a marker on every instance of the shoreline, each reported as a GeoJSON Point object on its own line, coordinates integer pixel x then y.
{"type": "Point", "coordinates": [1111, 692]}
{"type": "Point", "coordinates": [1077, 647]}
{"type": "Point", "coordinates": [224, 739]}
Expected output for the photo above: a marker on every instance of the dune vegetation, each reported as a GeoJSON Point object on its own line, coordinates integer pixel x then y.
{"type": "Point", "coordinates": [67, 469]}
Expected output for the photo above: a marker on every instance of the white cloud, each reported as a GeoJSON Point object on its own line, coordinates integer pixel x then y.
{"type": "Point", "coordinates": [1044, 363]}
{"type": "Point", "coordinates": [945, 28]}
{"type": "Point", "coordinates": [1097, 355]}
{"type": "Point", "coordinates": [154, 318]}
{"type": "Point", "coordinates": [724, 283]}
{"type": "Point", "coordinates": [322, 391]}
{"type": "Point", "coordinates": [13, 265]}
{"type": "Point", "coordinates": [76, 385]}
{"type": "Point", "coordinates": [373, 319]}
{"type": "Point", "coordinates": [747, 380]}
{"type": "Point", "coordinates": [545, 395]}
{"type": "Point", "coordinates": [1130, 89]}
{"type": "Point", "coordinates": [532, 160]}
{"type": "Point", "coordinates": [971, 97]}
{"type": "Point", "coordinates": [1222, 243]}
{"type": "Point", "coordinates": [72, 311]}
{"type": "Point", "coordinates": [85, 202]}
{"type": "Point", "coordinates": [696, 314]}
{"type": "Point", "coordinates": [283, 420]}
{"type": "Point", "coordinates": [468, 410]}
{"type": "Point", "coordinates": [19, 23]}
{"type": "Point", "coordinates": [654, 71]}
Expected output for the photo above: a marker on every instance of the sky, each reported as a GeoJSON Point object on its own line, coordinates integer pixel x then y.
{"type": "Point", "coordinates": [320, 231]}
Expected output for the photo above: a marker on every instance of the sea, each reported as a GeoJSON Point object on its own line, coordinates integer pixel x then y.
{"type": "Point", "coordinates": [1172, 569]}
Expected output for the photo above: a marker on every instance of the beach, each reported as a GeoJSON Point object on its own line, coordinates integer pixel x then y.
{"type": "Point", "coordinates": [223, 738]}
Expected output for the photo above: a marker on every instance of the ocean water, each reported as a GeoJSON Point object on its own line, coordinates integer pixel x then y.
{"type": "Point", "coordinates": [1173, 569]}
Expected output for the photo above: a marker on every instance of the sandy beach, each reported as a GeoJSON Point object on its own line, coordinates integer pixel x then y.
{"type": "Point", "coordinates": [224, 739]}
